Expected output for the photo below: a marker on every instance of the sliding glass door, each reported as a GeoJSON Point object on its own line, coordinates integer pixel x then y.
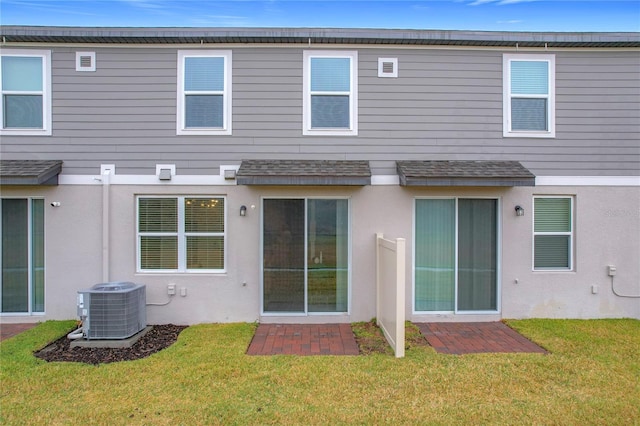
{"type": "Point", "coordinates": [305, 256]}
{"type": "Point", "coordinates": [284, 256]}
{"type": "Point", "coordinates": [435, 257]}
{"type": "Point", "coordinates": [22, 259]}
{"type": "Point", "coordinates": [456, 255]}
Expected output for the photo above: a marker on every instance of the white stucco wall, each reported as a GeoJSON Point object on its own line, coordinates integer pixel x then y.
{"type": "Point", "coordinates": [607, 232]}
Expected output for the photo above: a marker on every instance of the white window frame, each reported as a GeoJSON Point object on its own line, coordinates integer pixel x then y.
{"type": "Point", "coordinates": [181, 234]}
{"type": "Point", "coordinates": [226, 93]}
{"type": "Point", "coordinates": [45, 93]}
{"type": "Point", "coordinates": [507, 96]}
{"type": "Point", "coordinates": [571, 234]}
{"type": "Point", "coordinates": [307, 130]}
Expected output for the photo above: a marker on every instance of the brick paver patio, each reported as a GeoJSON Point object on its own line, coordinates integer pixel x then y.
{"type": "Point", "coordinates": [10, 330]}
{"type": "Point", "coordinates": [476, 337]}
{"type": "Point", "coordinates": [303, 339]}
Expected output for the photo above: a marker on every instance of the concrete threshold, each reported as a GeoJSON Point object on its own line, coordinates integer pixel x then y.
{"type": "Point", "coordinates": [113, 344]}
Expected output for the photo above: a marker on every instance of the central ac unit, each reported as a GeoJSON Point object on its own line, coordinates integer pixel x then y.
{"type": "Point", "coordinates": [115, 310]}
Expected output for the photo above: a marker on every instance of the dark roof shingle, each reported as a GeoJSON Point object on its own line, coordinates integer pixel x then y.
{"type": "Point", "coordinates": [30, 172]}
{"type": "Point", "coordinates": [464, 173]}
{"type": "Point", "coordinates": [304, 172]}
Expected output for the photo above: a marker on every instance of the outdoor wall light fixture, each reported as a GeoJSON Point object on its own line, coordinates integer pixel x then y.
{"type": "Point", "coordinates": [243, 210]}
{"type": "Point", "coordinates": [519, 211]}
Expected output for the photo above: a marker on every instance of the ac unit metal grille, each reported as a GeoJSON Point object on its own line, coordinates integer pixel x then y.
{"type": "Point", "coordinates": [112, 310]}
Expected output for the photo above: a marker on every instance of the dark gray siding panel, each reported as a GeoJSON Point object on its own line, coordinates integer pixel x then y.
{"type": "Point", "coordinates": [446, 104]}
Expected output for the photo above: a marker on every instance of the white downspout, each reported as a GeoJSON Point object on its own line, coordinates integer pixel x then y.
{"type": "Point", "coordinates": [106, 183]}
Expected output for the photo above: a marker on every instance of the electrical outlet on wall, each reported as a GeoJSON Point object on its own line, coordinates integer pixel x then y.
{"type": "Point", "coordinates": [171, 289]}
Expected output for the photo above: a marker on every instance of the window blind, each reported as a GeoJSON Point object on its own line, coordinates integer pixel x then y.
{"type": "Point", "coordinates": [204, 214]}
{"type": "Point", "coordinates": [158, 215]}
{"type": "Point", "coordinates": [22, 73]}
{"type": "Point", "coordinates": [330, 74]}
{"type": "Point", "coordinates": [552, 215]}
{"type": "Point", "coordinates": [205, 252]}
{"type": "Point", "coordinates": [551, 251]}
{"type": "Point", "coordinates": [159, 252]}
{"type": "Point", "coordinates": [204, 74]}
{"type": "Point", "coordinates": [205, 111]}
{"type": "Point", "coordinates": [529, 77]}
{"type": "Point", "coordinates": [329, 111]}
{"type": "Point", "coordinates": [529, 114]}
{"type": "Point", "coordinates": [23, 111]}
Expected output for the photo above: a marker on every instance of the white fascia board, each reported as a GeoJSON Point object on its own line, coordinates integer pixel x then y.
{"type": "Point", "coordinates": [145, 180]}
{"type": "Point", "coordinates": [587, 180]}
{"type": "Point", "coordinates": [385, 180]}
{"type": "Point", "coordinates": [375, 180]}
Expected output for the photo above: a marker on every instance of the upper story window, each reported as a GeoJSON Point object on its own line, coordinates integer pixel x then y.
{"type": "Point", "coordinates": [330, 93]}
{"type": "Point", "coordinates": [529, 95]}
{"type": "Point", "coordinates": [204, 92]}
{"type": "Point", "coordinates": [25, 80]}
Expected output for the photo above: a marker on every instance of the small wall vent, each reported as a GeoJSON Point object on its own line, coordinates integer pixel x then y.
{"type": "Point", "coordinates": [388, 67]}
{"type": "Point", "coordinates": [85, 61]}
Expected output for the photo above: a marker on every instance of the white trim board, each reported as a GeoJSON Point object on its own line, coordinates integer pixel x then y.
{"type": "Point", "coordinates": [588, 181]}
{"type": "Point", "coordinates": [376, 180]}
{"type": "Point", "coordinates": [146, 180]}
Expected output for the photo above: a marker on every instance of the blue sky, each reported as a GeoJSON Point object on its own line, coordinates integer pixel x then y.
{"type": "Point", "coordinates": [490, 15]}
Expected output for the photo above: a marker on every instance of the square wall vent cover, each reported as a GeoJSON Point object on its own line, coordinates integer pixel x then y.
{"type": "Point", "coordinates": [388, 67]}
{"type": "Point", "coordinates": [85, 61]}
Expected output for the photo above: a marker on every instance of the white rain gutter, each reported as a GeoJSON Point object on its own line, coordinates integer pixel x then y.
{"type": "Point", "coordinates": [106, 184]}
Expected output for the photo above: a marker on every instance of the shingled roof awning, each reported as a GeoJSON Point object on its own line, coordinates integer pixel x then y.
{"type": "Point", "coordinates": [304, 172]}
{"type": "Point", "coordinates": [29, 172]}
{"type": "Point", "coordinates": [464, 173]}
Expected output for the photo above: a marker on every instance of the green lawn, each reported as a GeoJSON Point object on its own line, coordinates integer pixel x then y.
{"type": "Point", "coordinates": [592, 376]}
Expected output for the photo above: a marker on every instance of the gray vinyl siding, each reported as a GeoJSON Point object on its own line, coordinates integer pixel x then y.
{"type": "Point", "coordinates": [445, 104]}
